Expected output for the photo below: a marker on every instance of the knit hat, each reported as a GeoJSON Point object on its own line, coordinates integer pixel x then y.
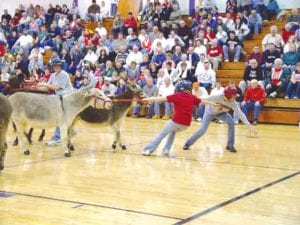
{"type": "Point", "coordinates": [229, 92]}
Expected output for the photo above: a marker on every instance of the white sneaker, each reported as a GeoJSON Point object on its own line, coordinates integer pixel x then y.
{"type": "Point", "coordinates": [146, 152]}
{"type": "Point", "coordinates": [236, 122]}
{"type": "Point", "coordinates": [53, 142]}
{"type": "Point", "coordinates": [273, 94]}
{"type": "Point", "coordinates": [166, 152]}
{"type": "Point", "coordinates": [199, 119]}
{"type": "Point", "coordinates": [226, 60]}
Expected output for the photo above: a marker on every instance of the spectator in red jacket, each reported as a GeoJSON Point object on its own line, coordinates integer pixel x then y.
{"type": "Point", "coordinates": [254, 98]}
{"type": "Point", "coordinates": [130, 22]}
{"type": "Point", "coordinates": [287, 32]}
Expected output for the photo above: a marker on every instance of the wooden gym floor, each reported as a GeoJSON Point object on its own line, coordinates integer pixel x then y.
{"type": "Point", "coordinates": [260, 185]}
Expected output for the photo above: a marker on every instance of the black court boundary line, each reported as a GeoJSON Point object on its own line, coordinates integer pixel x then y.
{"type": "Point", "coordinates": [80, 204]}
{"type": "Point", "coordinates": [236, 198]}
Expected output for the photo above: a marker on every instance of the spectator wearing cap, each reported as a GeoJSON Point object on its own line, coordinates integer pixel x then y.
{"type": "Point", "coordinates": [60, 83]}
{"type": "Point", "coordinates": [108, 88]}
{"type": "Point", "coordinates": [254, 99]}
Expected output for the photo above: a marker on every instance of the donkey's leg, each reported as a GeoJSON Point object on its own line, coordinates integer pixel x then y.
{"type": "Point", "coordinates": [16, 141]}
{"type": "Point", "coordinates": [118, 139]}
{"type": "Point", "coordinates": [24, 145]}
{"type": "Point", "coordinates": [42, 135]}
{"type": "Point", "coordinates": [29, 135]}
{"type": "Point", "coordinates": [65, 140]}
{"type": "Point", "coordinates": [3, 145]}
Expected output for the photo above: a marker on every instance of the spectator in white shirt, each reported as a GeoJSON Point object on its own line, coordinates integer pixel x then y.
{"type": "Point", "coordinates": [221, 36]}
{"type": "Point", "coordinates": [273, 37]}
{"type": "Point", "coordinates": [134, 55]}
{"type": "Point", "coordinates": [104, 10]}
{"type": "Point", "coordinates": [25, 41]}
{"type": "Point", "coordinates": [101, 30]}
{"type": "Point", "coordinates": [90, 57]}
{"type": "Point", "coordinates": [206, 76]}
{"type": "Point", "coordinates": [171, 40]}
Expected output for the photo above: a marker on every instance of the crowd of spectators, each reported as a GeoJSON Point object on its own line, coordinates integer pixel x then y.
{"type": "Point", "coordinates": [161, 51]}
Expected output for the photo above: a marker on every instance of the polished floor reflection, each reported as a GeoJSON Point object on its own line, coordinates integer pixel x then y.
{"type": "Point", "coordinates": [206, 185]}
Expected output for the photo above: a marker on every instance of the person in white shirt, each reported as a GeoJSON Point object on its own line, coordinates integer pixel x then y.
{"type": "Point", "coordinates": [90, 57]}
{"type": "Point", "coordinates": [159, 42]}
{"type": "Point", "coordinates": [199, 92]}
{"type": "Point", "coordinates": [200, 48]}
{"type": "Point", "coordinates": [166, 89]}
{"type": "Point", "coordinates": [4, 75]}
{"type": "Point", "coordinates": [184, 59]}
{"type": "Point", "coordinates": [171, 40]}
{"type": "Point", "coordinates": [161, 74]}
{"type": "Point", "coordinates": [108, 88]}
{"type": "Point", "coordinates": [134, 55]}
{"type": "Point", "coordinates": [206, 76]}
{"type": "Point", "coordinates": [217, 90]}
{"type": "Point", "coordinates": [229, 22]}
{"type": "Point", "coordinates": [25, 41]}
{"type": "Point", "coordinates": [170, 71]}
{"type": "Point", "coordinates": [104, 11]}
{"type": "Point", "coordinates": [221, 36]}
{"type": "Point", "coordinates": [101, 30]}
{"type": "Point", "coordinates": [62, 21]}
{"type": "Point", "coordinates": [273, 37]}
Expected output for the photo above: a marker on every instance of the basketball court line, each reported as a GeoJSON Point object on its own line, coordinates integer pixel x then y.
{"type": "Point", "coordinates": [236, 198]}
{"type": "Point", "coordinates": [79, 204]}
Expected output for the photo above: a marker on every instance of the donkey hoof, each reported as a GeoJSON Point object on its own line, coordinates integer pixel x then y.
{"type": "Point", "coordinates": [67, 154]}
{"type": "Point", "coordinates": [15, 143]}
{"type": "Point", "coordinates": [41, 139]}
{"type": "Point", "coordinates": [123, 147]}
{"type": "Point", "coordinates": [71, 147]}
{"type": "Point", "coordinates": [27, 152]}
{"type": "Point", "coordinates": [114, 146]}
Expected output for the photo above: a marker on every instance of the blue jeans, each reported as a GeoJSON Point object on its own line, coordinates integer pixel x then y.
{"type": "Point", "coordinates": [56, 135]}
{"type": "Point", "coordinates": [254, 28]}
{"type": "Point", "coordinates": [170, 129]}
{"type": "Point", "coordinates": [236, 51]}
{"type": "Point", "coordinates": [293, 90]}
{"type": "Point", "coordinates": [207, 118]}
{"type": "Point", "coordinates": [168, 108]}
{"type": "Point", "coordinates": [235, 114]}
{"type": "Point", "coordinates": [251, 105]}
{"type": "Point", "coordinates": [199, 111]}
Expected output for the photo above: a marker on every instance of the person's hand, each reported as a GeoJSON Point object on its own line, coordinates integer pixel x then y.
{"type": "Point", "coordinates": [257, 103]}
{"type": "Point", "coordinates": [268, 86]}
{"type": "Point", "coordinates": [253, 132]}
{"type": "Point", "coordinates": [243, 103]}
{"type": "Point", "coordinates": [279, 83]}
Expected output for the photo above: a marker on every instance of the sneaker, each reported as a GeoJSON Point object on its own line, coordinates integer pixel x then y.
{"type": "Point", "coordinates": [220, 121]}
{"type": "Point", "coordinates": [226, 60]}
{"type": "Point", "coordinates": [53, 142]}
{"type": "Point", "coordinates": [286, 97]}
{"type": "Point", "coordinates": [186, 147]}
{"type": "Point", "coordinates": [166, 118]}
{"type": "Point", "coordinates": [236, 122]}
{"type": "Point", "coordinates": [236, 61]}
{"type": "Point", "coordinates": [156, 117]}
{"type": "Point", "coordinates": [146, 153]}
{"type": "Point", "coordinates": [231, 149]}
{"type": "Point", "coordinates": [255, 122]}
{"type": "Point", "coordinates": [166, 152]}
{"type": "Point", "coordinates": [273, 94]}
{"type": "Point", "coordinates": [199, 119]}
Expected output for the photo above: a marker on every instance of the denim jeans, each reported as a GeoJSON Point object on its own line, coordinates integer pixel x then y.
{"type": "Point", "coordinates": [236, 51]}
{"type": "Point", "coordinates": [168, 108]}
{"type": "Point", "coordinates": [207, 118]}
{"type": "Point", "coordinates": [170, 129]}
{"type": "Point", "coordinates": [254, 28]}
{"type": "Point", "coordinates": [235, 114]}
{"type": "Point", "coordinates": [251, 105]}
{"type": "Point", "coordinates": [56, 135]}
{"type": "Point", "coordinates": [199, 111]}
{"type": "Point", "coordinates": [293, 90]}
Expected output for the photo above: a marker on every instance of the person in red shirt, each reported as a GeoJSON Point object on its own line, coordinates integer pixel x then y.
{"type": "Point", "coordinates": [287, 32]}
{"type": "Point", "coordinates": [184, 102]}
{"type": "Point", "coordinates": [130, 22]}
{"type": "Point", "coordinates": [254, 98]}
{"type": "Point", "coordinates": [215, 54]}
